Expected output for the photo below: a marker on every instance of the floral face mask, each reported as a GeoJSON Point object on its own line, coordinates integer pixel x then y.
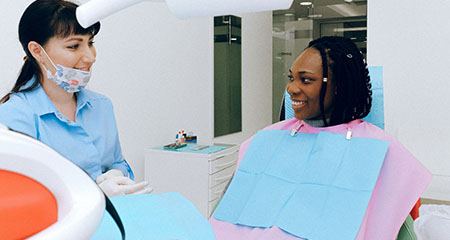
{"type": "Point", "coordinates": [70, 79]}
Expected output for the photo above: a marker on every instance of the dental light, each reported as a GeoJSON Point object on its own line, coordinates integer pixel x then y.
{"type": "Point", "coordinates": [95, 10]}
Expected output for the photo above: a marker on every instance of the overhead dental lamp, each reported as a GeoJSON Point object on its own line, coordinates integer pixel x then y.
{"type": "Point", "coordinates": [95, 10]}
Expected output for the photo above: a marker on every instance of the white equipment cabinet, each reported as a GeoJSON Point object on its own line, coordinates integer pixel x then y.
{"type": "Point", "coordinates": [200, 177]}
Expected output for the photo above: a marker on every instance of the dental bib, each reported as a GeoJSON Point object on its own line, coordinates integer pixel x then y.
{"type": "Point", "coordinates": [312, 186]}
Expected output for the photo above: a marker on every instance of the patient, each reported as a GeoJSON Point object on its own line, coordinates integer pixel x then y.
{"type": "Point", "coordinates": [330, 88]}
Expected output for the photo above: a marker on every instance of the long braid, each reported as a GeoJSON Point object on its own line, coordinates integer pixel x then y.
{"type": "Point", "coordinates": [353, 98]}
{"type": "Point", "coordinates": [323, 88]}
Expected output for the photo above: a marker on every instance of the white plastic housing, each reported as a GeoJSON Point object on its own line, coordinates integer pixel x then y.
{"type": "Point", "coordinates": [96, 10]}
{"type": "Point", "coordinates": [80, 202]}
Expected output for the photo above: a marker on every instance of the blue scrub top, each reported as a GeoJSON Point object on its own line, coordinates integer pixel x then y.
{"type": "Point", "coordinates": [91, 142]}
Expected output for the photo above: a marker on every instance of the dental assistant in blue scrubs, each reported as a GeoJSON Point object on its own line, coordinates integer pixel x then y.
{"type": "Point", "coordinates": [49, 102]}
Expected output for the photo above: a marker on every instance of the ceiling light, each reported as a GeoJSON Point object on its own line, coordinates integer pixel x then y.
{"type": "Point", "coordinates": [288, 14]}
{"type": "Point", "coordinates": [315, 15]}
{"type": "Point", "coordinates": [351, 29]}
{"type": "Point", "coordinates": [348, 1]}
{"type": "Point", "coordinates": [306, 3]}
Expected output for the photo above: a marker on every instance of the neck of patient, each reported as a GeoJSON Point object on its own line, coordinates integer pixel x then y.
{"type": "Point", "coordinates": [315, 122]}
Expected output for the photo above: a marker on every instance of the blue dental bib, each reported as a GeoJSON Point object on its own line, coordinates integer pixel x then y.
{"type": "Point", "coordinates": [312, 186]}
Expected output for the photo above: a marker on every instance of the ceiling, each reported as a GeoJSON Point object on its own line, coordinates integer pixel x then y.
{"type": "Point", "coordinates": [325, 9]}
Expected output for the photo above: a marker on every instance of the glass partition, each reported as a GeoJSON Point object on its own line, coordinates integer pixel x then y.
{"type": "Point", "coordinates": [227, 75]}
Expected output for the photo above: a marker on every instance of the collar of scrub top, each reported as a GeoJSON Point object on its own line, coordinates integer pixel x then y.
{"type": "Point", "coordinates": [301, 124]}
{"type": "Point", "coordinates": [42, 104]}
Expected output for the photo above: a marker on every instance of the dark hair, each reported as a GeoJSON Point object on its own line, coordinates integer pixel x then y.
{"type": "Point", "coordinates": [351, 79]}
{"type": "Point", "coordinates": [42, 20]}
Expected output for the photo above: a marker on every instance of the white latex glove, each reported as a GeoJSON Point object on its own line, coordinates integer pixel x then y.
{"type": "Point", "coordinates": [108, 175]}
{"type": "Point", "coordinates": [146, 190]}
{"type": "Point", "coordinates": [120, 185]}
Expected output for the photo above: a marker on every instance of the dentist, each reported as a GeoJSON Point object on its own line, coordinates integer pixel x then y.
{"type": "Point", "coordinates": [50, 103]}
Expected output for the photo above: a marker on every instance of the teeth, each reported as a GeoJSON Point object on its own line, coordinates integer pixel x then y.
{"type": "Point", "coordinates": [298, 103]}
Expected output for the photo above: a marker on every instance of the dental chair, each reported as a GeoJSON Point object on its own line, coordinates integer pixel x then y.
{"type": "Point", "coordinates": [45, 196]}
{"type": "Point", "coordinates": [376, 117]}
{"type": "Point", "coordinates": [42, 194]}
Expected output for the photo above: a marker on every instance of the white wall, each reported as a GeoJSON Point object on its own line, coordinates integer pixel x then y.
{"type": "Point", "coordinates": [11, 53]}
{"type": "Point", "coordinates": [152, 65]}
{"type": "Point", "coordinates": [158, 71]}
{"type": "Point", "coordinates": [410, 39]}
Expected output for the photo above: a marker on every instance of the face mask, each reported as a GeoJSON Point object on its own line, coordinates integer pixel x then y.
{"type": "Point", "coordinates": [70, 79]}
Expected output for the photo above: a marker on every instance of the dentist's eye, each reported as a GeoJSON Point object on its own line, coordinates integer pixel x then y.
{"type": "Point", "coordinates": [74, 46]}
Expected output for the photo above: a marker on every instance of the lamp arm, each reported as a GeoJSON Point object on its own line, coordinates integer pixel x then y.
{"type": "Point", "coordinates": [96, 10]}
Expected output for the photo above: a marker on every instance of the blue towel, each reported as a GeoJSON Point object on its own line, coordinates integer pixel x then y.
{"type": "Point", "coordinates": [151, 216]}
{"type": "Point", "coordinates": [191, 148]}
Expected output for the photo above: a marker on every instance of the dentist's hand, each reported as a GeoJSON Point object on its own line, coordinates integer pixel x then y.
{"type": "Point", "coordinates": [114, 183]}
{"type": "Point", "coordinates": [120, 185]}
{"type": "Point", "coordinates": [108, 175]}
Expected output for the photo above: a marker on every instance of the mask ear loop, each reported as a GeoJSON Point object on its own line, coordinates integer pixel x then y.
{"type": "Point", "coordinates": [48, 57]}
{"type": "Point", "coordinates": [323, 88]}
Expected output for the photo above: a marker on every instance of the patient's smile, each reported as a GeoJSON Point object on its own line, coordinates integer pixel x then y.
{"type": "Point", "coordinates": [297, 104]}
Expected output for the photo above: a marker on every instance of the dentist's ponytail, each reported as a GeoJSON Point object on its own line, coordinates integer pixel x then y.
{"type": "Point", "coordinates": [29, 68]}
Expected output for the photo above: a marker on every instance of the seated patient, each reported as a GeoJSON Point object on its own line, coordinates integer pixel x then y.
{"type": "Point", "coordinates": [330, 88]}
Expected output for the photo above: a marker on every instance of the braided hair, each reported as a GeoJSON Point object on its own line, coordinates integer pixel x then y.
{"type": "Point", "coordinates": [353, 94]}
